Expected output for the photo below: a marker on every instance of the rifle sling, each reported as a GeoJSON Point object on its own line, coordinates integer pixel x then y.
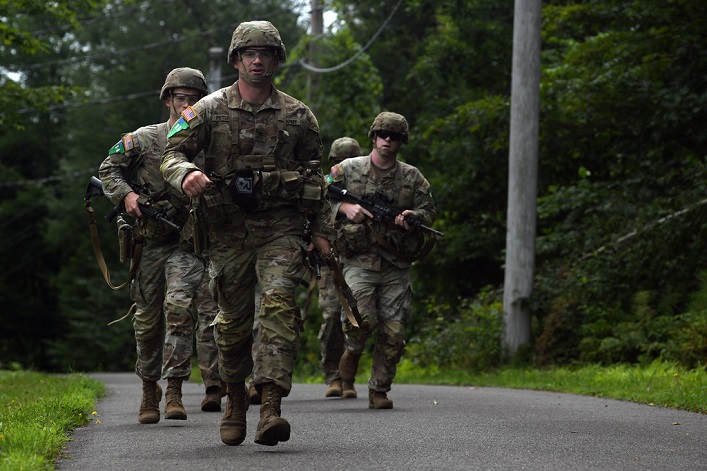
{"type": "Point", "coordinates": [344, 293]}
{"type": "Point", "coordinates": [137, 250]}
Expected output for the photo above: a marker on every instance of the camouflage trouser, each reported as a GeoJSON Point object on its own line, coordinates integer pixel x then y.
{"type": "Point", "coordinates": [206, 350]}
{"type": "Point", "coordinates": [385, 300]}
{"type": "Point", "coordinates": [163, 323]}
{"type": "Point", "coordinates": [331, 335]}
{"type": "Point", "coordinates": [278, 267]}
{"type": "Point", "coordinates": [254, 347]}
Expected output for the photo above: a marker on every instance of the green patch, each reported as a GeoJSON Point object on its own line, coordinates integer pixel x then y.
{"type": "Point", "coordinates": [180, 125]}
{"type": "Point", "coordinates": [119, 148]}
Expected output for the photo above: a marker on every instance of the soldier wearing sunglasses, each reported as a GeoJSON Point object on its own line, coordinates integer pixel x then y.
{"type": "Point", "coordinates": [376, 255]}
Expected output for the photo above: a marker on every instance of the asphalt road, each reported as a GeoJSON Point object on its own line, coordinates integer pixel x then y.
{"type": "Point", "coordinates": [430, 428]}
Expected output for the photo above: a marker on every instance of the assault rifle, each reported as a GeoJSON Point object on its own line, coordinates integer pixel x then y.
{"type": "Point", "coordinates": [95, 188]}
{"type": "Point", "coordinates": [379, 205]}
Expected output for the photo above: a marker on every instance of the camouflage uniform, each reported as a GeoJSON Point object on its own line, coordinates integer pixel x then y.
{"type": "Point", "coordinates": [206, 350]}
{"type": "Point", "coordinates": [261, 183]}
{"type": "Point", "coordinates": [331, 335]}
{"type": "Point", "coordinates": [164, 262]}
{"type": "Point", "coordinates": [170, 277]}
{"type": "Point", "coordinates": [377, 258]}
{"type": "Point", "coordinates": [277, 147]}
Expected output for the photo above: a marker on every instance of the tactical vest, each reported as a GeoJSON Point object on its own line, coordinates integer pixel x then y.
{"type": "Point", "coordinates": [175, 208]}
{"type": "Point", "coordinates": [255, 182]}
{"type": "Point", "coordinates": [388, 240]}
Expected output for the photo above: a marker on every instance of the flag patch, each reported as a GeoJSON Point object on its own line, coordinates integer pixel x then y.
{"type": "Point", "coordinates": [188, 114]}
{"type": "Point", "coordinates": [128, 143]}
{"type": "Point", "coordinates": [335, 172]}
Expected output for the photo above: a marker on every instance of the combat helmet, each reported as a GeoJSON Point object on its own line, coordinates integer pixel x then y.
{"type": "Point", "coordinates": [391, 122]}
{"type": "Point", "coordinates": [184, 77]}
{"type": "Point", "coordinates": [343, 148]}
{"type": "Point", "coordinates": [256, 34]}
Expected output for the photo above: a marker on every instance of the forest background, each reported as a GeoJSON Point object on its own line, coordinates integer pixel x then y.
{"type": "Point", "coordinates": [621, 272]}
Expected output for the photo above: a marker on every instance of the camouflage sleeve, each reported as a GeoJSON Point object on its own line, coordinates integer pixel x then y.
{"type": "Point", "coordinates": [187, 138]}
{"type": "Point", "coordinates": [335, 177]}
{"type": "Point", "coordinates": [424, 209]}
{"type": "Point", "coordinates": [111, 170]}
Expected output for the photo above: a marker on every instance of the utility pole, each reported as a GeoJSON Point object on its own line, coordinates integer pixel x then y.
{"type": "Point", "coordinates": [215, 60]}
{"type": "Point", "coordinates": [522, 173]}
{"type": "Point", "coordinates": [317, 22]}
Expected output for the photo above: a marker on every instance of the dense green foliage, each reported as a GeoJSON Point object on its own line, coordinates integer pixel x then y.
{"type": "Point", "coordinates": [622, 214]}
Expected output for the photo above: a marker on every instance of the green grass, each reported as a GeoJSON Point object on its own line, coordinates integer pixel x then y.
{"type": "Point", "coordinates": [660, 383]}
{"type": "Point", "coordinates": [38, 412]}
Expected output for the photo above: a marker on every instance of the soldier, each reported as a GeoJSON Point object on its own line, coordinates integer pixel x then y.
{"type": "Point", "coordinates": [262, 180]}
{"type": "Point", "coordinates": [170, 276]}
{"type": "Point", "coordinates": [377, 256]}
{"type": "Point", "coordinates": [331, 335]}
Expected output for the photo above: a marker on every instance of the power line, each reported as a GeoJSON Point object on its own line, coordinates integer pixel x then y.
{"type": "Point", "coordinates": [56, 178]}
{"type": "Point", "coordinates": [134, 96]}
{"type": "Point", "coordinates": [176, 38]}
{"type": "Point", "coordinates": [358, 54]}
{"type": "Point", "coordinates": [100, 19]}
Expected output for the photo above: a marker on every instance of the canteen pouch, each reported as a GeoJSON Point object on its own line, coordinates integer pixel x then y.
{"type": "Point", "coordinates": [242, 189]}
{"type": "Point", "coordinates": [125, 240]}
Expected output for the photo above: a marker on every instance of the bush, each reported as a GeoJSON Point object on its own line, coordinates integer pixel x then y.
{"type": "Point", "coordinates": [469, 339]}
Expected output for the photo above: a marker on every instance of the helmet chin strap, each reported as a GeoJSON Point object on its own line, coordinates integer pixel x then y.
{"type": "Point", "coordinates": [255, 80]}
{"type": "Point", "coordinates": [173, 108]}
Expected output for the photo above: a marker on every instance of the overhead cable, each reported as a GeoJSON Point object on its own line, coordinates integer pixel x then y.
{"type": "Point", "coordinates": [57, 178]}
{"type": "Point", "coordinates": [358, 54]}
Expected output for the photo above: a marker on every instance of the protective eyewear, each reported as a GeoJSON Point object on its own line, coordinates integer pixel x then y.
{"type": "Point", "coordinates": [394, 136]}
{"type": "Point", "coordinates": [264, 54]}
{"type": "Point", "coordinates": [181, 98]}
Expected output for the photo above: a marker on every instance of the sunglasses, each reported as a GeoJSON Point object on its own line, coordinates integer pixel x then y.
{"type": "Point", "coordinates": [394, 136]}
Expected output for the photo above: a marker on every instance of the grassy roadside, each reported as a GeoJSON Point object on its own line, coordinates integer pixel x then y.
{"type": "Point", "coordinates": [659, 383]}
{"type": "Point", "coordinates": [39, 410]}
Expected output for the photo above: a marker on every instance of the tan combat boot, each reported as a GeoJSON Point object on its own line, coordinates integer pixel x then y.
{"type": "Point", "coordinates": [233, 423]}
{"type": "Point", "coordinates": [378, 400]}
{"type": "Point", "coordinates": [212, 399]}
{"type": "Point", "coordinates": [272, 429]}
{"type": "Point", "coordinates": [348, 365]}
{"type": "Point", "coordinates": [253, 395]}
{"type": "Point", "coordinates": [150, 405]}
{"type": "Point", "coordinates": [334, 389]}
{"type": "Point", "coordinates": [174, 409]}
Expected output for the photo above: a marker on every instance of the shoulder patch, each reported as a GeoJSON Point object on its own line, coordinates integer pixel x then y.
{"type": "Point", "coordinates": [180, 125]}
{"type": "Point", "coordinates": [117, 148]}
{"type": "Point", "coordinates": [188, 114]}
{"type": "Point", "coordinates": [334, 175]}
{"type": "Point", "coordinates": [128, 143]}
